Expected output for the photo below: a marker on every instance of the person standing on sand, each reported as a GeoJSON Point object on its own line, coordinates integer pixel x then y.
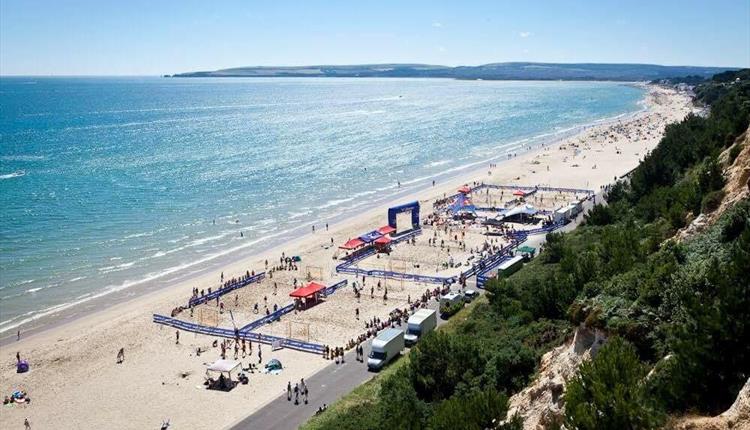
{"type": "Point", "coordinates": [260, 354]}
{"type": "Point", "coordinates": [289, 391]}
{"type": "Point", "coordinates": [18, 357]}
{"type": "Point", "coordinates": [26, 424]}
{"type": "Point", "coordinates": [18, 335]}
{"type": "Point", "coordinates": [177, 337]}
{"type": "Point", "coordinates": [326, 226]}
{"type": "Point", "coordinates": [120, 355]}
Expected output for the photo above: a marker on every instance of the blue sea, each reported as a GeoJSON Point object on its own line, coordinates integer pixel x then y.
{"type": "Point", "coordinates": [111, 183]}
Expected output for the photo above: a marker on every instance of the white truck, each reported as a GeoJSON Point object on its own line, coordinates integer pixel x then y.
{"type": "Point", "coordinates": [449, 304]}
{"type": "Point", "coordinates": [385, 347]}
{"type": "Point", "coordinates": [451, 298]}
{"type": "Point", "coordinates": [422, 322]}
{"type": "Point", "coordinates": [568, 212]}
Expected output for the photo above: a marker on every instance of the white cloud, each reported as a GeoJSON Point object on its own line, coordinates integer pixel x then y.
{"type": "Point", "coordinates": [525, 34]}
{"type": "Point", "coordinates": [441, 48]}
{"type": "Point", "coordinates": [437, 24]}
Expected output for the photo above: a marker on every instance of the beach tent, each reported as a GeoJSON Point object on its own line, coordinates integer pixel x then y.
{"type": "Point", "coordinates": [227, 368]}
{"type": "Point", "coordinates": [274, 364]}
{"type": "Point", "coordinates": [22, 366]}
{"type": "Point", "coordinates": [526, 210]}
{"type": "Point", "coordinates": [462, 204]}
{"type": "Point", "coordinates": [519, 193]}
{"type": "Point", "coordinates": [386, 229]}
{"type": "Point", "coordinates": [352, 244]}
{"type": "Point", "coordinates": [307, 291]}
{"type": "Point", "coordinates": [382, 244]}
{"type": "Point", "coordinates": [370, 237]}
{"type": "Point", "coordinates": [385, 240]}
{"type": "Point", "coordinates": [464, 190]}
{"type": "Point", "coordinates": [527, 251]}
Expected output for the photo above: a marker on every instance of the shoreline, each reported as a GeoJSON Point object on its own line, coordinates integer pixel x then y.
{"type": "Point", "coordinates": [73, 362]}
{"type": "Point", "coordinates": [61, 314]}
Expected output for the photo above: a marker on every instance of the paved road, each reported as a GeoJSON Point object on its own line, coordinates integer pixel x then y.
{"type": "Point", "coordinates": [334, 381]}
{"type": "Point", "coordinates": [326, 386]}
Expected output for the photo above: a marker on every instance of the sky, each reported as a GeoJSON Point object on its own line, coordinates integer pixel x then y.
{"type": "Point", "coordinates": [136, 37]}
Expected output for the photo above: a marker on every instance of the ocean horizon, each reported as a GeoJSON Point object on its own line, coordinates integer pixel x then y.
{"type": "Point", "coordinates": [111, 183]}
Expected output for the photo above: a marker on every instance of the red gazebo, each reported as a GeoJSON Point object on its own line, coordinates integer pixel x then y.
{"type": "Point", "coordinates": [464, 190]}
{"type": "Point", "coordinates": [382, 243]}
{"type": "Point", "coordinates": [352, 244]}
{"type": "Point", "coordinates": [519, 193]}
{"type": "Point", "coordinates": [309, 292]}
{"type": "Point", "coordinates": [386, 229]}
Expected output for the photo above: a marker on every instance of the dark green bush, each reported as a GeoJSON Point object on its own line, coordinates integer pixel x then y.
{"type": "Point", "coordinates": [712, 201]}
{"type": "Point", "coordinates": [608, 392]}
{"type": "Point", "coordinates": [449, 309]}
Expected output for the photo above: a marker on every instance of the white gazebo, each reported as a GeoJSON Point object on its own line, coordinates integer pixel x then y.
{"type": "Point", "coordinates": [223, 371]}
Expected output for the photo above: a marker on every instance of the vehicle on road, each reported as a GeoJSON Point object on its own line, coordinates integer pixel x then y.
{"type": "Point", "coordinates": [422, 322]}
{"type": "Point", "coordinates": [510, 266]}
{"type": "Point", "coordinates": [470, 295]}
{"type": "Point", "coordinates": [385, 347]}
{"type": "Point", "coordinates": [450, 304]}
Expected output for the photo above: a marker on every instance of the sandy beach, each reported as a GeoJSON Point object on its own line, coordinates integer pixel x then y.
{"type": "Point", "coordinates": [74, 381]}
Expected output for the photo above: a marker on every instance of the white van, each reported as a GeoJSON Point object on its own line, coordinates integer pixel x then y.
{"type": "Point", "coordinates": [450, 299]}
{"type": "Point", "coordinates": [422, 322]}
{"type": "Point", "coordinates": [385, 347]}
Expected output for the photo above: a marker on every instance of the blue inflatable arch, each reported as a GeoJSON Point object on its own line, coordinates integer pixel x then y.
{"type": "Point", "coordinates": [412, 207]}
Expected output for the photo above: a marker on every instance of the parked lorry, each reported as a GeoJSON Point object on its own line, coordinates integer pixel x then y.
{"type": "Point", "coordinates": [385, 347]}
{"type": "Point", "coordinates": [568, 212]}
{"type": "Point", "coordinates": [510, 266]}
{"type": "Point", "coordinates": [422, 322]}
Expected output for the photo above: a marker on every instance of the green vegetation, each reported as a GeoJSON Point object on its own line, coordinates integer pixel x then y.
{"type": "Point", "coordinates": [679, 310]}
{"type": "Point", "coordinates": [608, 392]}
{"type": "Point", "coordinates": [689, 80]}
{"type": "Point", "coordinates": [449, 309]}
{"type": "Point", "coordinates": [459, 375]}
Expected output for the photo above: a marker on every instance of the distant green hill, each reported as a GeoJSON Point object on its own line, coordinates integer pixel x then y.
{"type": "Point", "coordinates": [504, 71]}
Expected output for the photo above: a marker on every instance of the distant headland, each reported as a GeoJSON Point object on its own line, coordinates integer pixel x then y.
{"type": "Point", "coordinates": [494, 71]}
